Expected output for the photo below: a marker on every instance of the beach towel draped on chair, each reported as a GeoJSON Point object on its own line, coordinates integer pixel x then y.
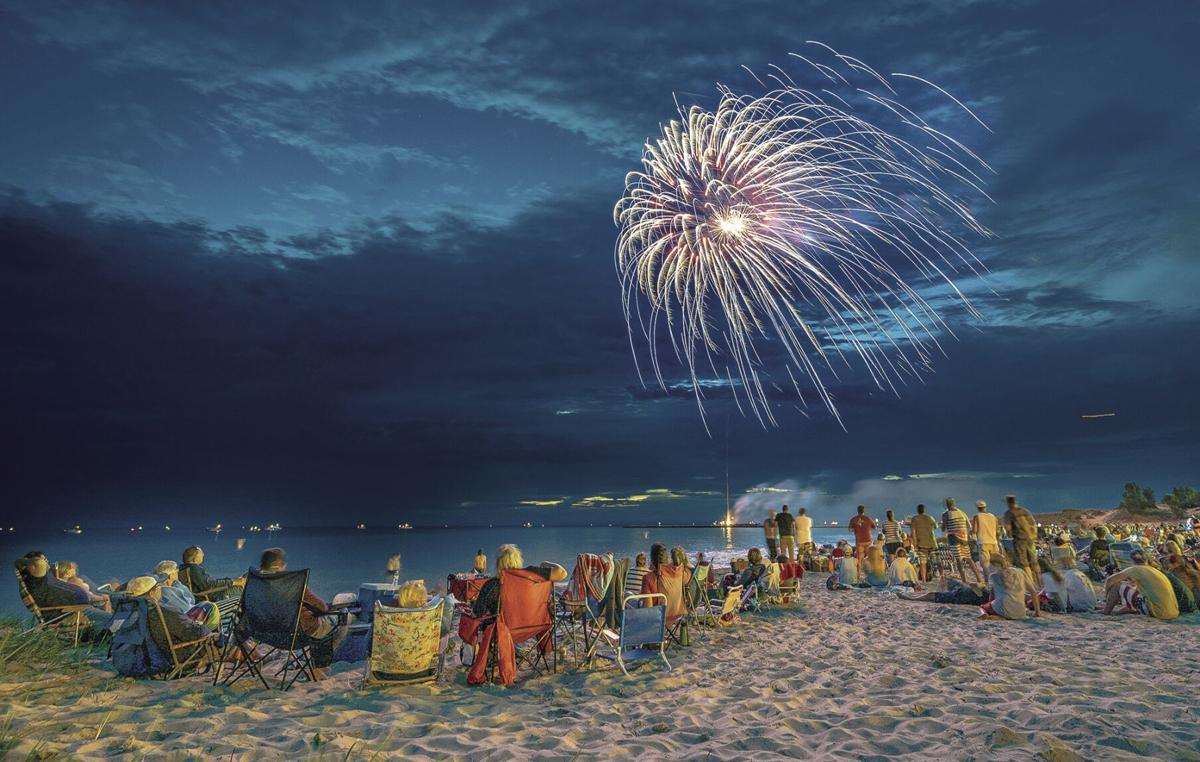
{"type": "Point", "coordinates": [525, 612]}
{"type": "Point", "coordinates": [579, 617]}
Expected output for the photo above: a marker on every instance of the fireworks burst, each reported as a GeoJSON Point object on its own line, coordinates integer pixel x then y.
{"type": "Point", "coordinates": [747, 217]}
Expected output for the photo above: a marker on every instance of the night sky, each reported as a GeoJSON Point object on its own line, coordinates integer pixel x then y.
{"type": "Point", "coordinates": [355, 261]}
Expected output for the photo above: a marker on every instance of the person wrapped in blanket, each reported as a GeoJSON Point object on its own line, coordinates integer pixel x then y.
{"type": "Point", "coordinates": [177, 597]}
{"type": "Point", "coordinates": [848, 574]}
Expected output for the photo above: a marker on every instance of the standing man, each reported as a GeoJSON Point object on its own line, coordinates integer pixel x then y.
{"type": "Point", "coordinates": [862, 525]}
{"type": "Point", "coordinates": [771, 530]}
{"type": "Point", "coordinates": [1023, 530]}
{"type": "Point", "coordinates": [786, 523]}
{"type": "Point", "coordinates": [954, 526]}
{"type": "Point", "coordinates": [924, 542]}
{"type": "Point", "coordinates": [804, 540]}
{"type": "Point", "coordinates": [891, 535]}
{"type": "Point", "coordinates": [984, 525]}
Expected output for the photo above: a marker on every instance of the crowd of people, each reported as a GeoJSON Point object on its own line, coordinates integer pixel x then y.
{"type": "Point", "coordinates": [1008, 565]}
{"type": "Point", "coordinates": [1015, 564]}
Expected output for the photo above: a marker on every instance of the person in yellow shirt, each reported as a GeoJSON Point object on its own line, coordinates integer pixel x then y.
{"type": "Point", "coordinates": [1140, 589]}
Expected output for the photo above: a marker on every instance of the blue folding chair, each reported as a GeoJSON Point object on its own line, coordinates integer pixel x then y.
{"type": "Point", "coordinates": [643, 623]}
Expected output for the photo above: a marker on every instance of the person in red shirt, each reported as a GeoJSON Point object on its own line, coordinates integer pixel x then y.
{"type": "Point", "coordinates": [862, 525]}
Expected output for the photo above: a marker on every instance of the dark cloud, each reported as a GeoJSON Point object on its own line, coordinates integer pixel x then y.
{"type": "Point", "coordinates": [296, 257]}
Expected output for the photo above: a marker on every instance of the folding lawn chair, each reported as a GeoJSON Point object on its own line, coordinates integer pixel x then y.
{"type": "Point", "coordinates": [579, 615]}
{"type": "Point", "coordinates": [724, 610]}
{"type": "Point", "coordinates": [407, 645]}
{"type": "Point", "coordinates": [67, 622]}
{"type": "Point", "coordinates": [269, 616]}
{"type": "Point", "coordinates": [525, 613]}
{"type": "Point", "coordinates": [142, 619]}
{"type": "Point", "coordinates": [643, 622]}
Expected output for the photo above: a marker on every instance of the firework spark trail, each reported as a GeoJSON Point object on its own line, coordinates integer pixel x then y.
{"type": "Point", "coordinates": [743, 216]}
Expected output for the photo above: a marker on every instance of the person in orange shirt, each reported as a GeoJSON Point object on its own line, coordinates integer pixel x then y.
{"type": "Point", "coordinates": [862, 525]}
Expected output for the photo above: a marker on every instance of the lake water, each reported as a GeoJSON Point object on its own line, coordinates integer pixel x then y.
{"type": "Point", "coordinates": [340, 559]}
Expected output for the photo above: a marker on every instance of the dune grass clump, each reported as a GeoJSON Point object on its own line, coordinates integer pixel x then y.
{"type": "Point", "coordinates": [29, 655]}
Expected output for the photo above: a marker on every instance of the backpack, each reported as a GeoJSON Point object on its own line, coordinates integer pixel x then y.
{"type": "Point", "coordinates": [133, 652]}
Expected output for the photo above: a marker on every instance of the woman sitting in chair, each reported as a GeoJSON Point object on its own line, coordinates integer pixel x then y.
{"type": "Point", "coordinates": [660, 557]}
{"type": "Point", "coordinates": [755, 570]}
{"type": "Point", "coordinates": [413, 595]}
{"type": "Point", "coordinates": [509, 557]}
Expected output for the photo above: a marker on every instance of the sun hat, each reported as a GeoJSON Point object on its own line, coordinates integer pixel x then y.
{"type": "Point", "coordinates": [139, 586]}
{"type": "Point", "coordinates": [981, 504]}
{"type": "Point", "coordinates": [166, 568]}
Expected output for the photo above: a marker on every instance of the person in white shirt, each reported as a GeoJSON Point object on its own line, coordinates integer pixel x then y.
{"type": "Point", "coordinates": [804, 540]}
{"type": "Point", "coordinates": [1070, 588]}
{"type": "Point", "coordinates": [984, 526]}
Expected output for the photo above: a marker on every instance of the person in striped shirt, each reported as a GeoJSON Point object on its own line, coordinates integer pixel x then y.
{"type": "Point", "coordinates": [955, 526]}
{"type": "Point", "coordinates": [891, 534]}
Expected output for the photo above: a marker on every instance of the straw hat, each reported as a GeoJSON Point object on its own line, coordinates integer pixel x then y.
{"type": "Point", "coordinates": [139, 586]}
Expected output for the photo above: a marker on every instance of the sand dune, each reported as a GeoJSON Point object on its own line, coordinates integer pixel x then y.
{"type": "Point", "coordinates": [848, 674]}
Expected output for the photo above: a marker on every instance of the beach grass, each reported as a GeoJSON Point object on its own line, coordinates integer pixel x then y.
{"type": "Point", "coordinates": [27, 654]}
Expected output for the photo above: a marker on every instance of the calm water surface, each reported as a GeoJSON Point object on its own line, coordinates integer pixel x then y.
{"type": "Point", "coordinates": [340, 559]}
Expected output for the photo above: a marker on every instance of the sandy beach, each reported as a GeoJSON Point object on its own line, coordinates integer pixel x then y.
{"type": "Point", "coordinates": [847, 674]}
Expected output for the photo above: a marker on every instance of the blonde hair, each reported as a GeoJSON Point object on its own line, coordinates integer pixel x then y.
{"type": "Point", "coordinates": [412, 594]}
{"type": "Point", "coordinates": [508, 557]}
{"type": "Point", "coordinates": [679, 556]}
{"type": "Point", "coordinates": [65, 569]}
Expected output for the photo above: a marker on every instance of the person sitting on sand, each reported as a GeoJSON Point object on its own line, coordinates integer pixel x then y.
{"type": "Point", "coordinates": [50, 593]}
{"type": "Point", "coordinates": [874, 568]}
{"type": "Point", "coordinates": [633, 578]}
{"type": "Point", "coordinates": [1098, 553]}
{"type": "Point", "coordinates": [194, 576]}
{"type": "Point", "coordinates": [1186, 572]}
{"type": "Point", "coordinates": [180, 628]}
{"type": "Point", "coordinates": [509, 557]}
{"type": "Point", "coordinates": [312, 619]}
{"type": "Point", "coordinates": [901, 571]}
{"type": "Point", "coordinates": [1062, 551]}
{"type": "Point", "coordinates": [848, 572]}
{"type": "Point", "coordinates": [1070, 589]}
{"type": "Point", "coordinates": [1140, 589]}
{"type": "Point", "coordinates": [1010, 592]}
